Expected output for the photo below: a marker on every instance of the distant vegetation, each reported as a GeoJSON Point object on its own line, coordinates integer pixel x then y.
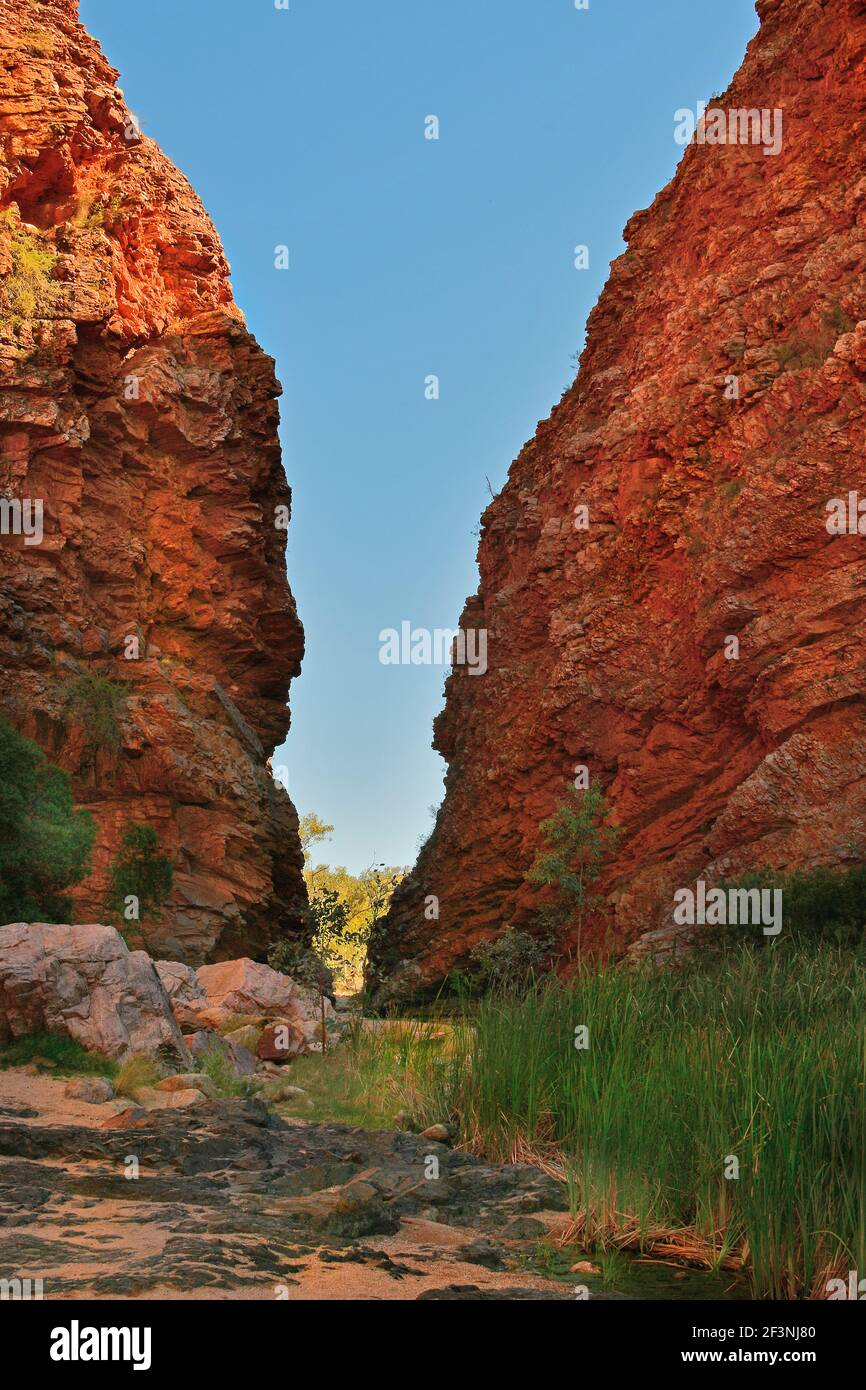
{"type": "Point", "coordinates": [822, 905]}
{"type": "Point", "coordinates": [45, 844]}
{"type": "Point", "coordinates": [344, 909]}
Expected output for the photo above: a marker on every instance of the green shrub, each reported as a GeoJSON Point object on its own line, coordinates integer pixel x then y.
{"type": "Point", "coordinates": [800, 351]}
{"type": "Point", "coordinates": [27, 287]}
{"type": "Point", "coordinates": [56, 1055]}
{"type": "Point", "coordinates": [579, 841]}
{"type": "Point", "coordinates": [511, 963]}
{"type": "Point", "coordinates": [293, 958]}
{"type": "Point", "coordinates": [821, 905]}
{"type": "Point", "coordinates": [140, 878]}
{"type": "Point", "coordinates": [100, 705]}
{"type": "Point", "coordinates": [45, 844]}
{"type": "Point", "coordinates": [215, 1064]}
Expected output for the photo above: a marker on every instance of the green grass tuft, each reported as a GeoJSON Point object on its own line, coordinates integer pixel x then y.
{"type": "Point", "coordinates": [136, 1072]}
{"type": "Point", "coordinates": [217, 1066]}
{"type": "Point", "coordinates": [64, 1056]}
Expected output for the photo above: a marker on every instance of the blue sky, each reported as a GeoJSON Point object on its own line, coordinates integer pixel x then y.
{"type": "Point", "coordinates": [408, 258]}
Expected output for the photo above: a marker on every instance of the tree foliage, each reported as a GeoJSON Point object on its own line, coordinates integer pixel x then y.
{"type": "Point", "coordinates": [578, 842]}
{"type": "Point", "coordinates": [100, 705]}
{"type": "Point", "coordinates": [510, 964]}
{"type": "Point", "coordinates": [45, 844]}
{"type": "Point", "coordinates": [141, 876]}
{"type": "Point", "coordinates": [344, 909]}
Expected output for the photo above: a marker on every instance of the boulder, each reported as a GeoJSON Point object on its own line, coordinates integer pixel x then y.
{"type": "Point", "coordinates": [205, 1040]}
{"type": "Point", "coordinates": [243, 1061]}
{"type": "Point", "coordinates": [189, 1081]}
{"type": "Point", "coordinates": [281, 1041]}
{"type": "Point", "coordinates": [248, 1036]}
{"type": "Point", "coordinates": [239, 987]}
{"type": "Point", "coordinates": [180, 983]}
{"type": "Point", "coordinates": [84, 982]}
{"type": "Point", "coordinates": [133, 1117]}
{"type": "Point", "coordinates": [93, 1090]}
{"type": "Point", "coordinates": [154, 1099]}
{"type": "Point", "coordinates": [238, 998]}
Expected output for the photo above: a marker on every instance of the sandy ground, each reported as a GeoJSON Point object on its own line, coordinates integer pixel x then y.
{"type": "Point", "coordinates": [22, 1088]}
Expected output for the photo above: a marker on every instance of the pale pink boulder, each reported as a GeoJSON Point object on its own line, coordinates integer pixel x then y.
{"type": "Point", "coordinates": [185, 994]}
{"type": "Point", "coordinates": [246, 987]}
{"type": "Point", "coordinates": [84, 982]}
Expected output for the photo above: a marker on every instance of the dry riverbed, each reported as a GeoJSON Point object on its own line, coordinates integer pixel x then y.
{"type": "Point", "coordinates": [227, 1200]}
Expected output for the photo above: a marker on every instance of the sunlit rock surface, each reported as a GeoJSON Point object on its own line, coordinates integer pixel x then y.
{"type": "Point", "coordinates": [718, 408]}
{"type": "Point", "coordinates": [136, 406]}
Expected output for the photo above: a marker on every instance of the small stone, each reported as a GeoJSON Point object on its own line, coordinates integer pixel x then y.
{"type": "Point", "coordinates": [441, 1134]}
{"type": "Point", "coordinates": [133, 1117]}
{"type": "Point", "coordinates": [276, 1091]}
{"type": "Point", "coordinates": [189, 1081]}
{"type": "Point", "coordinates": [585, 1267]}
{"type": "Point", "coordinates": [93, 1090]}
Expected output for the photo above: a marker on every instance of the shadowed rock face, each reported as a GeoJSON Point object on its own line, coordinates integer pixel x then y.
{"type": "Point", "coordinates": [707, 520]}
{"type": "Point", "coordinates": [136, 406]}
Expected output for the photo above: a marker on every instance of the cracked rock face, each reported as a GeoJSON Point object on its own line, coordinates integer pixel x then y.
{"type": "Point", "coordinates": [137, 409]}
{"type": "Point", "coordinates": [718, 409]}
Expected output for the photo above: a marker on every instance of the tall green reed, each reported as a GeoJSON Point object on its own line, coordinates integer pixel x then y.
{"type": "Point", "coordinates": [725, 1098]}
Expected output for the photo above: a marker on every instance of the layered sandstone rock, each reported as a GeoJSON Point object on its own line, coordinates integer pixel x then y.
{"type": "Point", "coordinates": [719, 407]}
{"type": "Point", "coordinates": [138, 410]}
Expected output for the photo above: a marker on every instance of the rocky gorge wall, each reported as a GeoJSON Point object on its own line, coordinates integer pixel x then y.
{"type": "Point", "coordinates": [139, 412]}
{"type": "Point", "coordinates": [698, 645]}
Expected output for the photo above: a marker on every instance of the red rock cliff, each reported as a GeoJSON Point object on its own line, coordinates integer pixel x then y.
{"type": "Point", "coordinates": [137, 407]}
{"type": "Point", "coordinates": [707, 520]}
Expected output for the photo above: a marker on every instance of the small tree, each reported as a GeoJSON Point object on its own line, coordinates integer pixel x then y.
{"type": "Point", "coordinates": [579, 842]}
{"type": "Point", "coordinates": [100, 706]}
{"type": "Point", "coordinates": [328, 916]}
{"type": "Point", "coordinates": [141, 877]}
{"type": "Point", "coordinates": [45, 843]}
{"type": "Point", "coordinates": [365, 897]}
